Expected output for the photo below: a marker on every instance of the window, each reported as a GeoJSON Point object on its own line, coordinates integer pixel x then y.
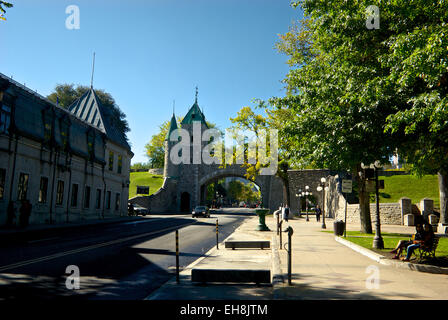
{"type": "Point", "coordinates": [111, 161]}
{"type": "Point", "coordinates": [108, 199]}
{"type": "Point", "coordinates": [87, 197]}
{"type": "Point", "coordinates": [48, 125]}
{"type": "Point", "coordinates": [60, 193]}
{"type": "Point", "coordinates": [120, 163]}
{"type": "Point", "coordinates": [5, 118]}
{"type": "Point", "coordinates": [23, 186]}
{"type": "Point", "coordinates": [117, 201]}
{"type": "Point", "coordinates": [91, 143]}
{"type": "Point", "coordinates": [98, 199]}
{"type": "Point", "coordinates": [2, 182]}
{"type": "Point", "coordinates": [64, 127]}
{"type": "Point", "coordinates": [74, 200]}
{"type": "Point", "coordinates": [43, 190]}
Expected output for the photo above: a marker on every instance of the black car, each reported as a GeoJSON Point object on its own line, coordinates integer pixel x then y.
{"type": "Point", "coordinates": [200, 211]}
{"type": "Point", "coordinates": [140, 211]}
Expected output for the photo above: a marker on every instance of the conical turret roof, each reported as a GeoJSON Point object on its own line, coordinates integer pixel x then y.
{"type": "Point", "coordinates": [172, 127]}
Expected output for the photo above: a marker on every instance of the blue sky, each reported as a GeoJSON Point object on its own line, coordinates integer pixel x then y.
{"type": "Point", "coordinates": [151, 52]}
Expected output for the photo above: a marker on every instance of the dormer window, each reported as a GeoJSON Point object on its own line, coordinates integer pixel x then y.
{"type": "Point", "coordinates": [111, 161]}
{"type": "Point", "coordinates": [5, 118]}
{"type": "Point", "coordinates": [91, 144]}
{"type": "Point", "coordinates": [47, 120]}
{"type": "Point", "coordinates": [64, 125]}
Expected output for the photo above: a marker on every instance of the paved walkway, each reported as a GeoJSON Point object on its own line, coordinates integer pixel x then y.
{"type": "Point", "coordinates": [322, 268]}
{"type": "Point", "coordinates": [326, 269]}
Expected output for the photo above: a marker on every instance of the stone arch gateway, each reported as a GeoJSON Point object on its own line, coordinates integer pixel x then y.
{"type": "Point", "coordinates": [183, 178]}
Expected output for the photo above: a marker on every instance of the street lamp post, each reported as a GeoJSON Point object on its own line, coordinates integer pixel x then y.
{"type": "Point", "coordinates": [306, 201]}
{"type": "Point", "coordinates": [378, 242]}
{"type": "Point", "coordinates": [323, 188]}
{"type": "Point", "coordinates": [299, 195]}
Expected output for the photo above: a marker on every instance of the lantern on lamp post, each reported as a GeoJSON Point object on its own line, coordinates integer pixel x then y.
{"type": "Point", "coordinates": [378, 242]}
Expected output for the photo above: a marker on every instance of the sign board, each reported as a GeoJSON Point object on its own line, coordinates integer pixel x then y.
{"type": "Point", "coordinates": [347, 186]}
{"type": "Point", "coordinates": [370, 186]}
{"type": "Point", "coordinates": [142, 190]}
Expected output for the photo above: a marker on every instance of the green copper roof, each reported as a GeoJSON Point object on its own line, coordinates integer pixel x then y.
{"type": "Point", "coordinates": [173, 126]}
{"type": "Point", "coordinates": [194, 114]}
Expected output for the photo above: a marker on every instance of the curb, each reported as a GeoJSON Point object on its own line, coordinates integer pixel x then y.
{"type": "Point", "coordinates": [387, 262]}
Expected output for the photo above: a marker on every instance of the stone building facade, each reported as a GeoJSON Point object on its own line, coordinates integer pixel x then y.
{"type": "Point", "coordinates": [71, 164]}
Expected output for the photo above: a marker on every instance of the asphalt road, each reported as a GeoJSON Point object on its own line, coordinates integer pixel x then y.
{"type": "Point", "coordinates": [125, 260]}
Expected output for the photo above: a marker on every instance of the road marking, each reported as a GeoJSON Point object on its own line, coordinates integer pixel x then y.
{"type": "Point", "coordinates": [96, 246]}
{"type": "Point", "coordinates": [142, 221]}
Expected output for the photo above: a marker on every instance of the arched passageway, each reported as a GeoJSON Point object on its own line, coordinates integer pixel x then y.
{"type": "Point", "coordinates": [230, 191]}
{"type": "Point", "coordinates": [185, 205]}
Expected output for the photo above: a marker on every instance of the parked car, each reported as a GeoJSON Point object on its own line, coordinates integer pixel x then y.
{"type": "Point", "coordinates": [201, 211]}
{"type": "Point", "coordinates": [140, 211]}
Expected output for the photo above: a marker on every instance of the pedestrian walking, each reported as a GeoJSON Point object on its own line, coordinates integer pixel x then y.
{"type": "Point", "coordinates": [285, 213]}
{"type": "Point", "coordinates": [318, 213]}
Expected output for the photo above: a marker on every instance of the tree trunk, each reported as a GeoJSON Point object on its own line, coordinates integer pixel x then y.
{"type": "Point", "coordinates": [286, 195]}
{"type": "Point", "coordinates": [443, 193]}
{"type": "Point", "coordinates": [364, 203]}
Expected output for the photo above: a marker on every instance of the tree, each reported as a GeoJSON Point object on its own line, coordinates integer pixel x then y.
{"type": "Point", "coordinates": [155, 148]}
{"type": "Point", "coordinates": [418, 81]}
{"type": "Point", "coordinates": [338, 120]}
{"type": "Point", "coordinates": [3, 5]}
{"type": "Point", "coordinates": [248, 119]}
{"type": "Point", "coordinates": [66, 94]}
{"type": "Point", "coordinates": [359, 93]}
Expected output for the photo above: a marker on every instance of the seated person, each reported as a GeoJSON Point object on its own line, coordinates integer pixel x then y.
{"type": "Point", "coordinates": [402, 244]}
{"type": "Point", "coordinates": [426, 241]}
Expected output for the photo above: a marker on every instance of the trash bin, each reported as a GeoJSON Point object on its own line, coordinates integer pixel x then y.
{"type": "Point", "coordinates": [339, 228]}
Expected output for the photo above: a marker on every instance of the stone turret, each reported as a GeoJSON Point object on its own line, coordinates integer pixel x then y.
{"type": "Point", "coordinates": [170, 170]}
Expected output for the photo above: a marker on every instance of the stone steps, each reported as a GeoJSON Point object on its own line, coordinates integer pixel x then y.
{"type": "Point", "coordinates": [231, 275]}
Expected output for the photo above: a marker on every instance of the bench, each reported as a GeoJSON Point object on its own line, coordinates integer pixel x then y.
{"type": "Point", "coordinates": [429, 252]}
{"type": "Point", "coordinates": [425, 252]}
{"type": "Point", "coordinates": [231, 275]}
{"type": "Point", "coordinates": [247, 244]}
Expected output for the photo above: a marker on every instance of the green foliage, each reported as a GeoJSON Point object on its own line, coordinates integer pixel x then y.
{"type": "Point", "coordinates": [3, 5]}
{"type": "Point", "coordinates": [155, 149]}
{"type": "Point", "coordinates": [141, 166]}
{"type": "Point", "coordinates": [66, 94]}
{"type": "Point", "coordinates": [239, 191]}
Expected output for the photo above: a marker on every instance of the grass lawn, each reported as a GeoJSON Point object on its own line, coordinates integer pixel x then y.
{"type": "Point", "coordinates": [390, 241]}
{"type": "Point", "coordinates": [144, 179]}
{"type": "Point", "coordinates": [411, 187]}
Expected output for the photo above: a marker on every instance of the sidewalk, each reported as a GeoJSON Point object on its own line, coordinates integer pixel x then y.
{"type": "Point", "coordinates": [322, 268]}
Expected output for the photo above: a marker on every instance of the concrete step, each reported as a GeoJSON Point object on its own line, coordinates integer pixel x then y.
{"type": "Point", "coordinates": [231, 275]}
{"type": "Point", "coordinates": [247, 244]}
